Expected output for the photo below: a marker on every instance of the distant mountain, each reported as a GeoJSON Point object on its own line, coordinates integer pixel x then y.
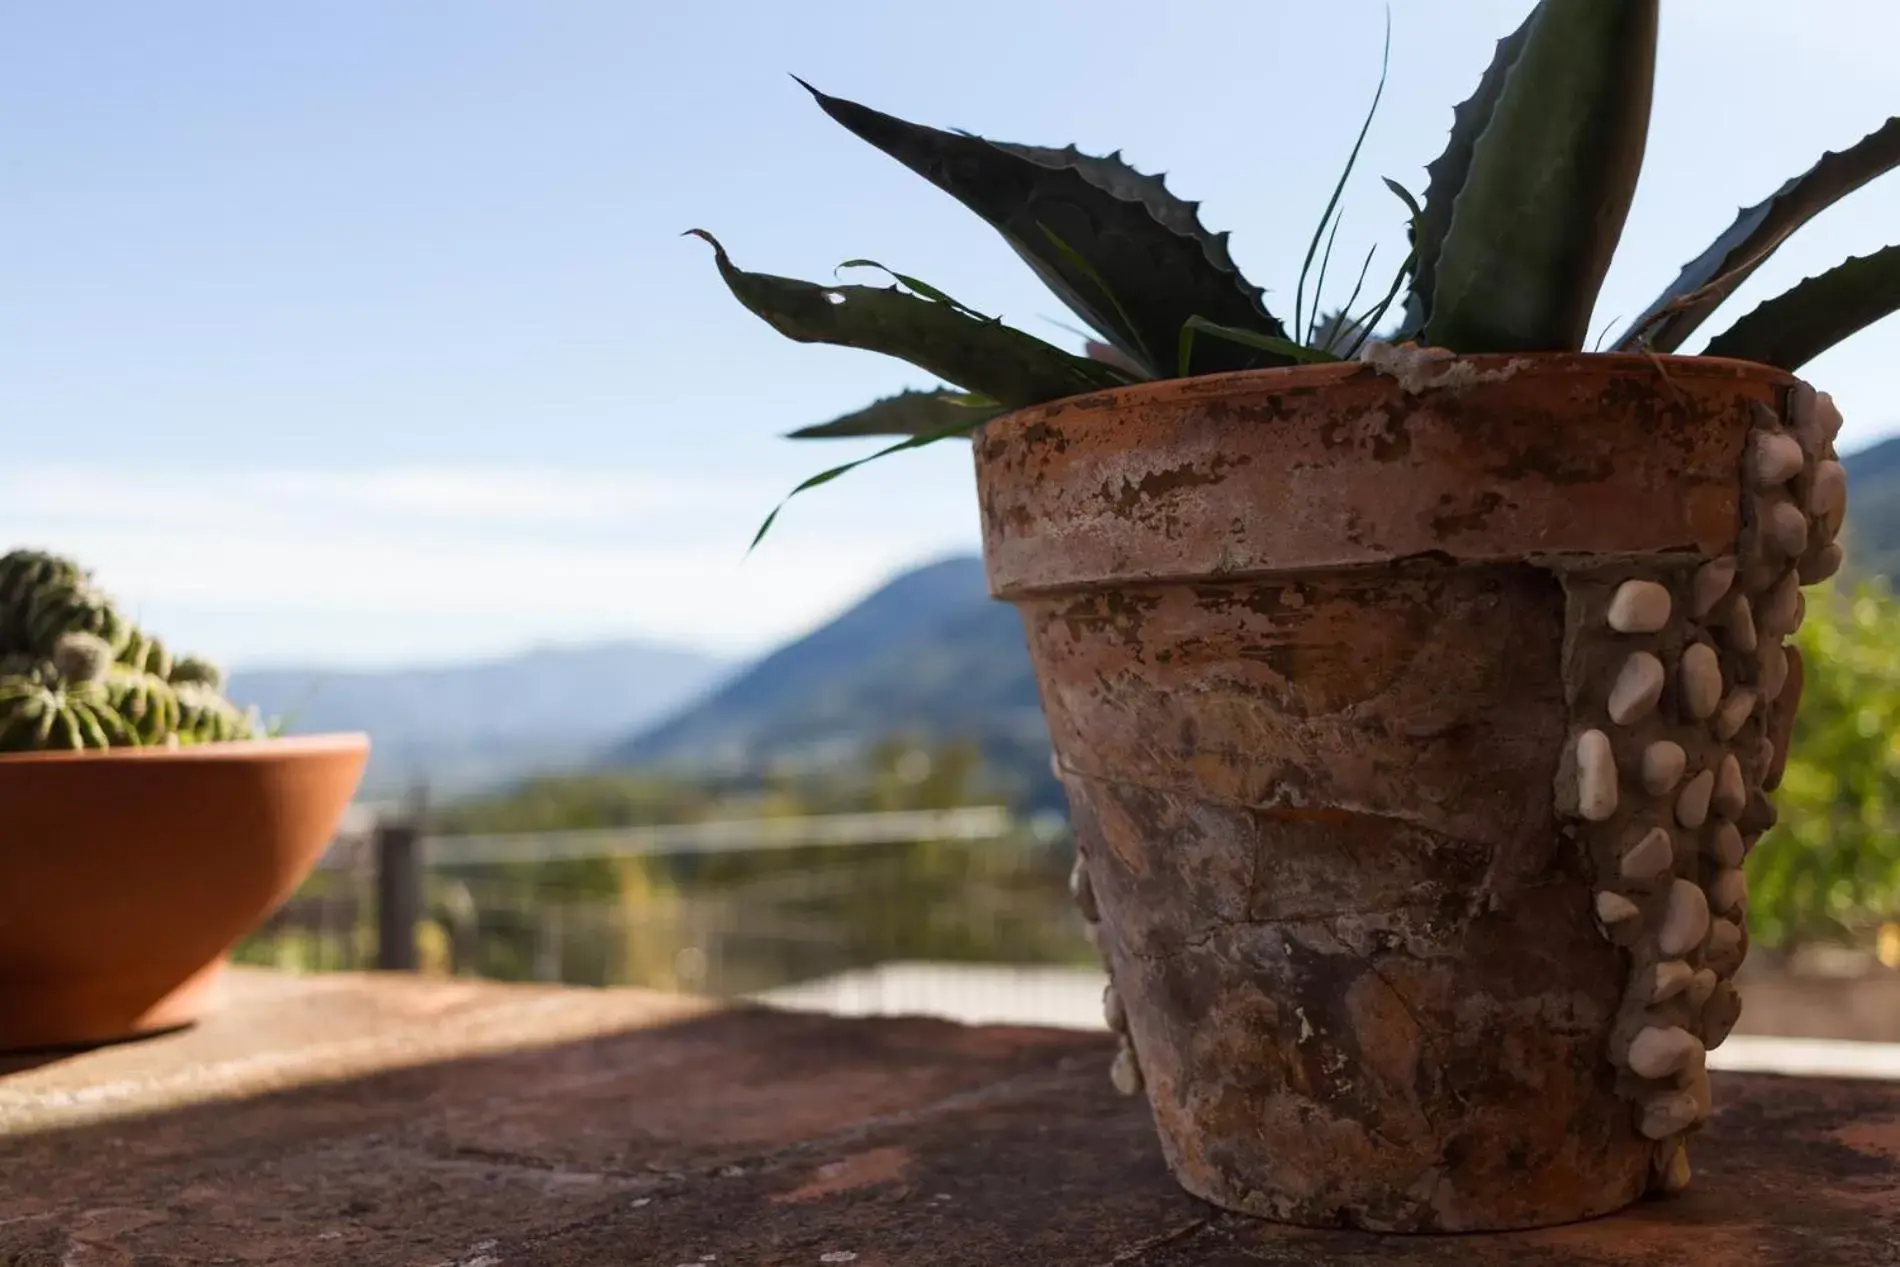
{"type": "Point", "coordinates": [1873, 509]}
{"type": "Point", "coordinates": [466, 726]}
{"type": "Point", "coordinates": [929, 655]}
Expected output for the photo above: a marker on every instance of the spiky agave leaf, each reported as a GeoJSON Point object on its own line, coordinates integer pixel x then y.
{"type": "Point", "coordinates": [1711, 277]}
{"type": "Point", "coordinates": [1799, 324]}
{"type": "Point", "coordinates": [987, 357]}
{"type": "Point", "coordinates": [909, 413]}
{"type": "Point", "coordinates": [1125, 255]}
{"type": "Point", "coordinates": [1445, 176]}
{"type": "Point", "coordinates": [1550, 182]}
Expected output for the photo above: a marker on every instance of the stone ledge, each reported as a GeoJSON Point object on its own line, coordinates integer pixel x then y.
{"type": "Point", "coordinates": [371, 1120]}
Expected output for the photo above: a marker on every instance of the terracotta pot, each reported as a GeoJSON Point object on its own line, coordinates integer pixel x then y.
{"type": "Point", "coordinates": [1401, 814]}
{"type": "Point", "coordinates": [126, 876]}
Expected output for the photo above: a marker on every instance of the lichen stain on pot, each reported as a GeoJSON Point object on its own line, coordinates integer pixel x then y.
{"type": "Point", "coordinates": [1313, 742]}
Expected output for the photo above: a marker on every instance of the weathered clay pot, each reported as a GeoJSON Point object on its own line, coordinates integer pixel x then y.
{"type": "Point", "coordinates": [1413, 826]}
{"type": "Point", "coordinates": [126, 876]}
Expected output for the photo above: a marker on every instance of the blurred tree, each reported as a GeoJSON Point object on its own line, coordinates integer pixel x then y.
{"type": "Point", "coordinates": [1830, 870]}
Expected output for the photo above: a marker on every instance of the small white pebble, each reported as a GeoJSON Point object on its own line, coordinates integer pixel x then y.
{"type": "Point", "coordinates": [1663, 763]}
{"type": "Point", "coordinates": [1728, 890]}
{"type": "Point", "coordinates": [1776, 458]}
{"type": "Point", "coordinates": [1786, 529]}
{"type": "Point", "coordinates": [1639, 684]}
{"type": "Point", "coordinates": [1692, 805]}
{"type": "Point", "coordinates": [1650, 857]}
{"type": "Point", "coordinates": [1735, 712]}
{"type": "Point", "coordinates": [838, 1256]}
{"type": "Point", "coordinates": [1781, 610]}
{"type": "Point", "coordinates": [639, 1202]}
{"type": "Point", "coordinates": [1596, 776]}
{"type": "Point", "coordinates": [1125, 1073]}
{"type": "Point", "coordinates": [1725, 935]}
{"type": "Point", "coordinates": [1685, 919]}
{"type": "Point", "coordinates": [1614, 908]}
{"type": "Point", "coordinates": [1082, 890]}
{"type": "Point", "coordinates": [1667, 979]}
{"type": "Point", "coordinates": [1666, 1114]}
{"type": "Point", "coordinates": [1725, 844]}
{"type": "Point", "coordinates": [1731, 794]}
{"type": "Point", "coordinates": [1772, 673]}
{"type": "Point", "coordinates": [1827, 491]}
{"type": "Point", "coordinates": [1639, 607]}
{"type": "Point", "coordinates": [1827, 418]}
{"type": "Point", "coordinates": [1660, 1050]}
{"type": "Point", "coordinates": [1674, 1173]}
{"type": "Point", "coordinates": [1724, 1009]}
{"type": "Point", "coordinates": [1113, 1013]}
{"type": "Point", "coordinates": [1823, 563]}
{"type": "Point", "coordinates": [1712, 580]}
{"type": "Point", "coordinates": [1700, 677]}
{"type": "Point", "coordinates": [1803, 410]}
{"type": "Point", "coordinates": [1701, 986]}
{"type": "Point", "coordinates": [1742, 634]}
{"type": "Point", "coordinates": [1696, 1083]}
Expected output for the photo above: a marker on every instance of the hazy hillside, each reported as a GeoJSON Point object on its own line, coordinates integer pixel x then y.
{"type": "Point", "coordinates": [1873, 509]}
{"type": "Point", "coordinates": [467, 725]}
{"type": "Point", "coordinates": [929, 655]}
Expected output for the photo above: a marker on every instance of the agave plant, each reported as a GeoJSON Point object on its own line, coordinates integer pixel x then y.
{"type": "Point", "coordinates": [76, 673]}
{"type": "Point", "coordinates": [1520, 218]}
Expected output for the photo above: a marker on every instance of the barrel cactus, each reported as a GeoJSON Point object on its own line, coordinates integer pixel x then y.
{"type": "Point", "coordinates": [75, 673]}
{"type": "Point", "coordinates": [1509, 246]}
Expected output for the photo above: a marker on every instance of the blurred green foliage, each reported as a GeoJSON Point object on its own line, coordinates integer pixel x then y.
{"type": "Point", "coordinates": [1830, 870]}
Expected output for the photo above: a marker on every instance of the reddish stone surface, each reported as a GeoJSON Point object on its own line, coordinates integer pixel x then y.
{"type": "Point", "coordinates": [353, 1120]}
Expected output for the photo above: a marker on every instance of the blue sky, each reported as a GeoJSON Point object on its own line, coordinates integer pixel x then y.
{"type": "Point", "coordinates": [362, 332]}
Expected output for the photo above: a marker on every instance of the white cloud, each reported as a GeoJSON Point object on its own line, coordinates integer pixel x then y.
{"type": "Point", "coordinates": [429, 564]}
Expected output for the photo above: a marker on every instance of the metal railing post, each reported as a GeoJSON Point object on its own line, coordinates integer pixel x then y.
{"type": "Point", "coordinates": [398, 895]}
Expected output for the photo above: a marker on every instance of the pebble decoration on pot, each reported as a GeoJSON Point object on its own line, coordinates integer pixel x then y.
{"type": "Point", "coordinates": [1667, 787]}
{"type": "Point", "coordinates": [1125, 1071]}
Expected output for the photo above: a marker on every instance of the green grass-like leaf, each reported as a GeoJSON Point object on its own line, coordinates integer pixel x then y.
{"type": "Point", "coordinates": [909, 413]}
{"type": "Point", "coordinates": [921, 287]}
{"type": "Point", "coordinates": [1247, 338]}
{"type": "Point", "coordinates": [825, 477]}
{"type": "Point", "coordinates": [1010, 367]}
{"type": "Point", "coordinates": [1332, 203]}
{"type": "Point", "coordinates": [1799, 324]}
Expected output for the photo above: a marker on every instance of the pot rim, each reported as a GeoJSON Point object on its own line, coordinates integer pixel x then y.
{"type": "Point", "coordinates": [288, 747]}
{"type": "Point", "coordinates": [1320, 375]}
